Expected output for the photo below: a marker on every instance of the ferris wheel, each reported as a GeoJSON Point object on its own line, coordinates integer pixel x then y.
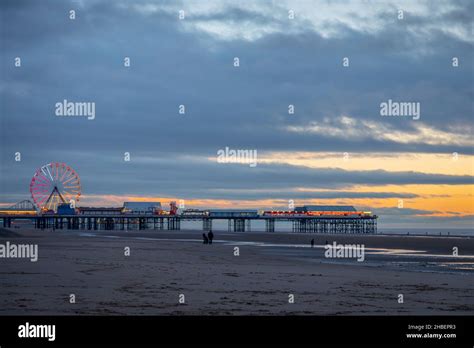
{"type": "Point", "coordinates": [53, 184]}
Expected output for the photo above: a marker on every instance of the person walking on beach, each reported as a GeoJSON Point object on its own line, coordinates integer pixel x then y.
{"type": "Point", "coordinates": [210, 235]}
{"type": "Point", "coordinates": [312, 243]}
{"type": "Point", "coordinates": [205, 240]}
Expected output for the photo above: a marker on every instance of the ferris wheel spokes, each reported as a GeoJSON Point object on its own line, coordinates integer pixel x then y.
{"type": "Point", "coordinates": [53, 184]}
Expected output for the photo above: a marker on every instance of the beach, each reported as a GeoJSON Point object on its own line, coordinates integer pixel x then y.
{"type": "Point", "coordinates": [174, 273]}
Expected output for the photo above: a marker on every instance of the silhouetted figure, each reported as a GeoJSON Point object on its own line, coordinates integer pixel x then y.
{"type": "Point", "coordinates": [327, 242]}
{"type": "Point", "coordinates": [312, 243]}
{"type": "Point", "coordinates": [205, 239]}
{"type": "Point", "coordinates": [210, 235]}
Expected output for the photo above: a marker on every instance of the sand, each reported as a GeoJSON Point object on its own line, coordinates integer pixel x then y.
{"type": "Point", "coordinates": [165, 264]}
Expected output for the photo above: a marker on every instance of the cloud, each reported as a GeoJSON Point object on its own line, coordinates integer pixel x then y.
{"type": "Point", "coordinates": [441, 163]}
{"type": "Point", "coordinates": [345, 127]}
{"type": "Point", "coordinates": [173, 176]}
{"type": "Point", "coordinates": [230, 20]}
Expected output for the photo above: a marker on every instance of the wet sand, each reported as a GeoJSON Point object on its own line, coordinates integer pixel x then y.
{"type": "Point", "coordinates": [271, 266]}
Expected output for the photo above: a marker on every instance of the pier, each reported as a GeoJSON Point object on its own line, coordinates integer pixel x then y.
{"type": "Point", "coordinates": [306, 224]}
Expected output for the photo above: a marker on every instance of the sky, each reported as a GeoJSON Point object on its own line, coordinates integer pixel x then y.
{"type": "Point", "coordinates": [336, 148]}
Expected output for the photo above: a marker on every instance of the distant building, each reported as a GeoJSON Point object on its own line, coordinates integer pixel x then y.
{"type": "Point", "coordinates": [65, 209]}
{"type": "Point", "coordinates": [99, 211]}
{"type": "Point", "coordinates": [235, 213]}
{"type": "Point", "coordinates": [326, 208]}
{"type": "Point", "coordinates": [141, 208]}
{"type": "Point", "coordinates": [194, 212]}
{"type": "Point", "coordinates": [332, 210]}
